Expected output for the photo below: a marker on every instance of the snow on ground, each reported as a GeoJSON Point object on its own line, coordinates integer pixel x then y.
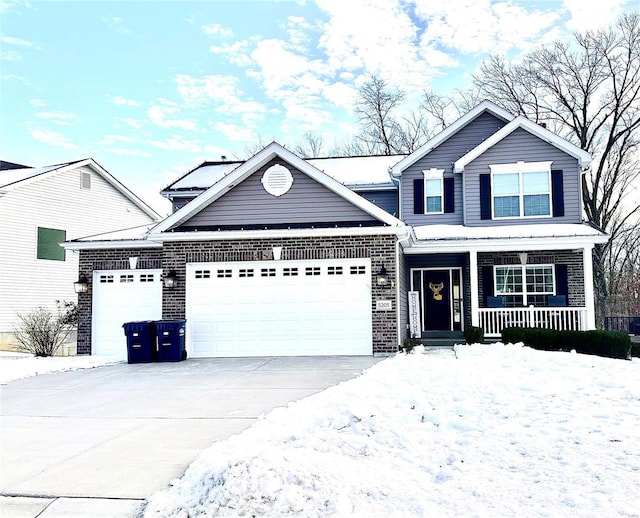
{"type": "Point", "coordinates": [15, 366]}
{"type": "Point", "coordinates": [491, 430]}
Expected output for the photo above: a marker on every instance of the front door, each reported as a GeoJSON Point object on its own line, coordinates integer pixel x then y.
{"type": "Point", "coordinates": [437, 300]}
{"type": "Point", "coordinates": [440, 297]}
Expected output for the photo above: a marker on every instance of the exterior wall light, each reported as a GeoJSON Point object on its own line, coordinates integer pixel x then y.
{"type": "Point", "coordinates": [170, 279]}
{"type": "Point", "coordinates": [382, 279]}
{"type": "Point", "coordinates": [82, 284]}
{"type": "Point", "coordinates": [523, 257]}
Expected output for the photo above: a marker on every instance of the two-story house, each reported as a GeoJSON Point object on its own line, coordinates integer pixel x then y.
{"type": "Point", "coordinates": [41, 207]}
{"type": "Point", "coordinates": [283, 256]}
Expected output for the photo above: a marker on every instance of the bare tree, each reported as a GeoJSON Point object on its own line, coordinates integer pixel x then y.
{"type": "Point", "coordinates": [587, 91]}
{"type": "Point", "coordinates": [310, 147]}
{"type": "Point", "coordinates": [375, 110]}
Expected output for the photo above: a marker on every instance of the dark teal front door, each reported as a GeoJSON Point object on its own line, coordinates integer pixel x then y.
{"type": "Point", "coordinates": [436, 286]}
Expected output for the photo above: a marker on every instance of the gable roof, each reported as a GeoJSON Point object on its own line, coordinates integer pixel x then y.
{"type": "Point", "coordinates": [14, 178]}
{"type": "Point", "coordinates": [246, 169]}
{"type": "Point", "coordinates": [452, 129]}
{"type": "Point", "coordinates": [353, 171]}
{"type": "Point", "coordinates": [584, 158]}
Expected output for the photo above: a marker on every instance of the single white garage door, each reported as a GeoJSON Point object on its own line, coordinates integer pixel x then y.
{"type": "Point", "coordinates": [121, 296]}
{"type": "Point", "coordinates": [279, 308]}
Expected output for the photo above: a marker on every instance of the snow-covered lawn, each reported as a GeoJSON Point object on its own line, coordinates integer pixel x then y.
{"type": "Point", "coordinates": [15, 366]}
{"type": "Point", "coordinates": [491, 430]}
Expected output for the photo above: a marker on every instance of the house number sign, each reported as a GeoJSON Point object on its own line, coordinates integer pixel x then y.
{"type": "Point", "coordinates": [384, 305]}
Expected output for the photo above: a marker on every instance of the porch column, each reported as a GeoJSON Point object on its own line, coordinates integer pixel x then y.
{"type": "Point", "coordinates": [473, 286]}
{"type": "Point", "coordinates": [589, 299]}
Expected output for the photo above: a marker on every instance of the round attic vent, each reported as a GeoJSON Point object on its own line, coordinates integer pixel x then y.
{"type": "Point", "coordinates": [277, 180]}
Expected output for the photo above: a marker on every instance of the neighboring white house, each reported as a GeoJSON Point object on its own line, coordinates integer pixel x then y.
{"type": "Point", "coordinates": [41, 207]}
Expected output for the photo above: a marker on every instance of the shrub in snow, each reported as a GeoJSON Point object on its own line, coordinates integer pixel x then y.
{"type": "Point", "coordinates": [635, 350]}
{"type": "Point", "coordinates": [474, 335]}
{"type": "Point", "coordinates": [41, 332]}
{"type": "Point", "coordinates": [409, 343]}
{"type": "Point", "coordinates": [612, 344]}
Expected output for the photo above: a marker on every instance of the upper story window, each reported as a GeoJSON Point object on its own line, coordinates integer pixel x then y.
{"type": "Point", "coordinates": [520, 190]}
{"type": "Point", "coordinates": [49, 240]}
{"type": "Point", "coordinates": [433, 191]}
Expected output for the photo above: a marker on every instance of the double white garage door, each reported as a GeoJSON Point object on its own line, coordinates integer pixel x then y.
{"type": "Point", "coordinates": [268, 308]}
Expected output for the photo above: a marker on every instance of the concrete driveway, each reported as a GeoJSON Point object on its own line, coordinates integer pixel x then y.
{"type": "Point", "coordinates": [97, 442]}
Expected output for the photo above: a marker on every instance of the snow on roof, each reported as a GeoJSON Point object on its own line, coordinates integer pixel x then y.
{"type": "Point", "coordinates": [352, 171]}
{"type": "Point", "coordinates": [127, 234]}
{"type": "Point", "coordinates": [357, 170]}
{"type": "Point", "coordinates": [204, 176]}
{"type": "Point", "coordinates": [11, 176]}
{"type": "Point", "coordinates": [541, 230]}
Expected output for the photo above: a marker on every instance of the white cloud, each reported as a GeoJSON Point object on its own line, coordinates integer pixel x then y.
{"type": "Point", "coordinates": [9, 40]}
{"type": "Point", "coordinates": [10, 55]}
{"type": "Point", "coordinates": [482, 26]}
{"type": "Point", "coordinates": [215, 29]}
{"type": "Point", "coordinates": [594, 15]}
{"type": "Point", "coordinates": [133, 123]}
{"type": "Point", "coordinates": [236, 53]}
{"type": "Point", "coordinates": [127, 152]}
{"type": "Point", "coordinates": [116, 24]}
{"type": "Point", "coordinates": [160, 116]}
{"type": "Point", "coordinates": [60, 118]}
{"type": "Point", "coordinates": [233, 132]}
{"type": "Point", "coordinates": [121, 101]}
{"type": "Point", "coordinates": [177, 143]}
{"type": "Point", "coordinates": [38, 103]}
{"type": "Point", "coordinates": [51, 137]}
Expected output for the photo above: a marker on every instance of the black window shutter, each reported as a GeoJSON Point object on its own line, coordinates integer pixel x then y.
{"type": "Point", "coordinates": [557, 192]}
{"type": "Point", "coordinates": [449, 196]}
{"type": "Point", "coordinates": [485, 196]}
{"type": "Point", "coordinates": [487, 283]}
{"type": "Point", "coordinates": [418, 196]}
{"type": "Point", "coordinates": [562, 280]}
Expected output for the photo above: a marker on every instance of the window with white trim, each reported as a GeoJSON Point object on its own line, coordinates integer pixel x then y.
{"type": "Point", "coordinates": [524, 285]}
{"type": "Point", "coordinates": [433, 191]}
{"type": "Point", "coordinates": [521, 190]}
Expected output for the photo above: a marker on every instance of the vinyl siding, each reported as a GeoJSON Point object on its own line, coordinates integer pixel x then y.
{"type": "Point", "coordinates": [248, 204]}
{"type": "Point", "coordinates": [386, 200]}
{"type": "Point", "coordinates": [522, 146]}
{"type": "Point", "coordinates": [443, 157]}
{"type": "Point", "coordinates": [55, 202]}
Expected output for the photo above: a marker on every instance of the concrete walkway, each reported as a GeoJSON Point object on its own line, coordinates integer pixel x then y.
{"type": "Point", "coordinates": [97, 442]}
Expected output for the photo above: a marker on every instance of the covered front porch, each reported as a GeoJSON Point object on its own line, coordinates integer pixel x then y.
{"type": "Point", "coordinates": [498, 282]}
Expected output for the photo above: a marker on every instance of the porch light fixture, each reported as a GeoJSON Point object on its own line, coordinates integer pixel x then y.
{"type": "Point", "coordinates": [382, 278]}
{"type": "Point", "coordinates": [82, 284]}
{"type": "Point", "coordinates": [170, 279]}
{"type": "Point", "coordinates": [523, 257]}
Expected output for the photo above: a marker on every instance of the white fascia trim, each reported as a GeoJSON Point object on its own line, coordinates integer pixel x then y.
{"type": "Point", "coordinates": [584, 158]}
{"type": "Point", "coordinates": [102, 245]}
{"type": "Point", "coordinates": [396, 170]}
{"type": "Point", "coordinates": [278, 233]}
{"type": "Point", "coordinates": [261, 158]}
{"type": "Point", "coordinates": [504, 244]}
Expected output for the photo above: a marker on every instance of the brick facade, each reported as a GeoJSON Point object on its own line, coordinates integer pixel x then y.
{"type": "Point", "coordinates": [573, 260]}
{"type": "Point", "coordinates": [380, 249]}
{"type": "Point", "coordinates": [112, 259]}
{"type": "Point", "coordinates": [175, 256]}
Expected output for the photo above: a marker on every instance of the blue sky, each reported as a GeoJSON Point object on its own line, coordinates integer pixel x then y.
{"type": "Point", "coordinates": [149, 89]}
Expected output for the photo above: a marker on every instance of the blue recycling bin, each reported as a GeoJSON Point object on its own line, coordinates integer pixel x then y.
{"type": "Point", "coordinates": [170, 335]}
{"type": "Point", "coordinates": [141, 341]}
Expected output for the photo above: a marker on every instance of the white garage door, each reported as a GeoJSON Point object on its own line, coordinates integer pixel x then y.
{"type": "Point", "coordinates": [279, 308]}
{"type": "Point", "coordinates": [121, 296]}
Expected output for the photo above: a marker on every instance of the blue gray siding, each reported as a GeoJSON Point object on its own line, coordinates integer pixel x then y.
{"type": "Point", "coordinates": [443, 157]}
{"type": "Point", "coordinates": [386, 200]}
{"type": "Point", "coordinates": [522, 146]}
{"type": "Point", "coordinates": [307, 203]}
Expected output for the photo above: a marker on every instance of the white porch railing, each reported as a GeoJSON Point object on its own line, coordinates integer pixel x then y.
{"type": "Point", "coordinates": [493, 320]}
